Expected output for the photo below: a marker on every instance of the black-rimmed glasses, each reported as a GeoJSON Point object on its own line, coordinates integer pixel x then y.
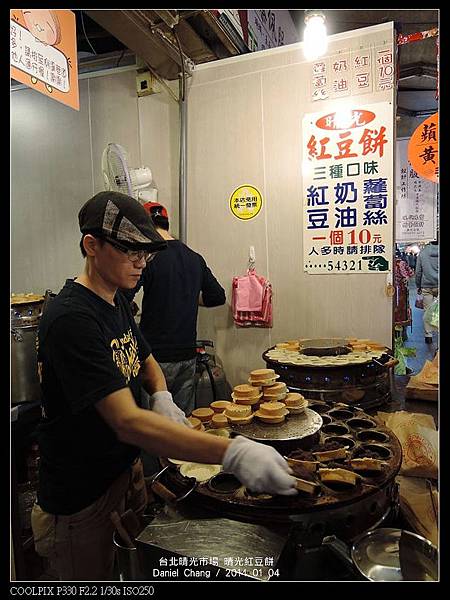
{"type": "Point", "coordinates": [133, 255]}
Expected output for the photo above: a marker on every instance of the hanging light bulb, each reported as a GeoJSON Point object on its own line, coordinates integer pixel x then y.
{"type": "Point", "coordinates": [315, 40]}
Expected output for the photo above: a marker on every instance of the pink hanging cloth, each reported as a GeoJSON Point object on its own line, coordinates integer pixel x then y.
{"type": "Point", "coordinates": [252, 300]}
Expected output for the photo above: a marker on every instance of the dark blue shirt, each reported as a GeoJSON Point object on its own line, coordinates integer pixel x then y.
{"type": "Point", "coordinates": [172, 282]}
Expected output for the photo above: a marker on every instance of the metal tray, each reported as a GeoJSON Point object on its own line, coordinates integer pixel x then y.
{"type": "Point", "coordinates": [295, 427]}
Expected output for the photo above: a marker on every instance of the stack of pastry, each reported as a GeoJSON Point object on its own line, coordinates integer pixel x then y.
{"type": "Point", "coordinates": [239, 414]}
{"type": "Point", "coordinates": [204, 414]}
{"type": "Point", "coordinates": [196, 423]}
{"type": "Point", "coordinates": [219, 406]}
{"type": "Point", "coordinates": [376, 346]}
{"type": "Point", "coordinates": [272, 412]}
{"type": "Point", "coordinates": [288, 345]}
{"type": "Point", "coordinates": [295, 403]}
{"type": "Point", "coordinates": [358, 345]}
{"type": "Point", "coordinates": [262, 377]}
{"type": "Point", "coordinates": [219, 420]}
{"type": "Point", "coordinates": [246, 394]}
{"type": "Point", "coordinates": [363, 345]}
{"type": "Point", "coordinates": [275, 392]}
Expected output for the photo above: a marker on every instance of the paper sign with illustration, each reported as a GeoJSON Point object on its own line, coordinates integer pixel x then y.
{"type": "Point", "coordinates": [43, 52]}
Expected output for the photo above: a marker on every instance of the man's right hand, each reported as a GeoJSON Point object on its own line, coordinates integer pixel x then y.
{"type": "Point", "coordinates": [259, 467]}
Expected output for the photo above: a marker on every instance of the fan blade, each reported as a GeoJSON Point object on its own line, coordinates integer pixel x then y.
{"type": "Point", "coordinates": [105, 170]}
{"type": "Point", "coordinates": [119, 176]}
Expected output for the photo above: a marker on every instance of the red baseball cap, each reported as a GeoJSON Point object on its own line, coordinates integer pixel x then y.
{"type": "Point", "coordinates": [155, 208]}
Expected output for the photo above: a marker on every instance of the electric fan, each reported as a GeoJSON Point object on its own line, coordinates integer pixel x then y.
{"type": "Point", "coordinates": [119, 177]}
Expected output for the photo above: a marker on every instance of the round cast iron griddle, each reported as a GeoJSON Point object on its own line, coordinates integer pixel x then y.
{"type": "Point", "coordinates": [345, 513]}
{"type": "Point", "coordinates": [366, 383]}
{"type": "Point", "coordinates": [295, 427]}
{"type": "Point", "coordinates": [26, 310]}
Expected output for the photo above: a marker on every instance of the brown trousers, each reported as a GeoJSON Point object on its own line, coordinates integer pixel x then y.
{"type": "Point", "coordinates": [80, 546]}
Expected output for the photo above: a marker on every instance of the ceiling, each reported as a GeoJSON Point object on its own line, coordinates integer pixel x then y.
{"type": "Point", "coordinates": [112, 38]}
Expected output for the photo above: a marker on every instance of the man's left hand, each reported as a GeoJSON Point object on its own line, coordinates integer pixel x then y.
{"type": "Point", "coordinates": [163, 404]}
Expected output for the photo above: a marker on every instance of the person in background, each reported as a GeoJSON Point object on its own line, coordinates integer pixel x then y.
{"type": "Point", "coordinates": [411, 259]}
{"type": "Point", "coordinates": [427, 279]}
{"type": "Point", "coordinates": [403, 256]}
{"type": "Point", "coordinates": [175, 284]}
{"type": "Point", "coordinates": [93, 363]}
{"type": "Point", "coordinates": [402, 274]}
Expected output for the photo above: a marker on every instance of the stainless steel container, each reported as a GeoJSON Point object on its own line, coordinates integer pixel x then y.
{"type": "Point", "coordinates": [25, 314]}
{"type": "Point", "coordinates": [127, 561]}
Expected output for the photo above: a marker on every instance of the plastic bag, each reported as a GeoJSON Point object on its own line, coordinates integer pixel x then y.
{"type": "Point", "coordinates": [253, 293]}
{"type": "Point", "coordinates": [249, 292]}
{"type": "Point", "coordinates": [419, 301]}
{"type": "Point", "coordinates": [431, 314]}
{"type": "Point", "coordinates": [419, 504]}
{"type": "Point", "coordinates": [419, 440]}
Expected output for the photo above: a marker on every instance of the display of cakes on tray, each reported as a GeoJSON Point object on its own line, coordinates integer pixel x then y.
{"type": "Point", "coordinates": [263, 397]}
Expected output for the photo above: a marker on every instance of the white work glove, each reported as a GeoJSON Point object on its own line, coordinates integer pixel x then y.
{"type": "Point", "coordinates": [259, 467]}
{"type": "Point", "coordinates": [163, 404]}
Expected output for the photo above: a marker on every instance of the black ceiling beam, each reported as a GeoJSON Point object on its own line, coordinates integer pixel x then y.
{"type": "Point", "coordinates": [418, 70]}
{"type": "Point", "coordinates": [424, 112]}
{"type": "Point", "coordinates": [408, 89]}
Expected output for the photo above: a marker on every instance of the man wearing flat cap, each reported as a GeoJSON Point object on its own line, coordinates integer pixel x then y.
{"type": "Point", "coordinates": [93, 363]}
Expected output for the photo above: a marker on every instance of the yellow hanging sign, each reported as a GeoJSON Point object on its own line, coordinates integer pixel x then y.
{"type": "Point", "coordinates": [246, 202]}
{"type": "Point", "coordinates": [423, 149]}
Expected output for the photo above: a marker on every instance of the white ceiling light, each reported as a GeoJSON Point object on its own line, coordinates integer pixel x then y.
{"type": "Point", "coordinates": [315, 40]}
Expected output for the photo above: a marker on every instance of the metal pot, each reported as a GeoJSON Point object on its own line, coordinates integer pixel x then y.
{"type": "Point", "coordinates": [389, 554]}
{"type": "Point", "coordinates": [25, 314]}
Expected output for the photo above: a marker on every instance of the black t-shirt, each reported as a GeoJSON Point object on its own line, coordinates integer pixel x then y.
{"type": "Point", "coordinates": [87, 349]}
{"type": "Point", "coordinates": [172, 282]}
